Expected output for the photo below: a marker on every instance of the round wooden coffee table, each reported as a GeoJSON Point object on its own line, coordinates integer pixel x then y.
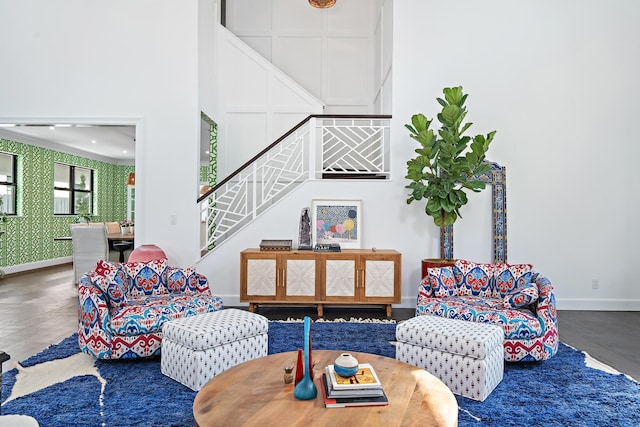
{"type": "Point", "coordinates": [254, 394]}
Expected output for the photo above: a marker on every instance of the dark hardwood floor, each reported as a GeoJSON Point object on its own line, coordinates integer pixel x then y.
{"type": "Point", "coordinates": [39, 308]}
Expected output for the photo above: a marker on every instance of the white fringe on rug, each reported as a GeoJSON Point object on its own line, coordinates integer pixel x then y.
{"type": "Point", "coordinates": [338, 320]}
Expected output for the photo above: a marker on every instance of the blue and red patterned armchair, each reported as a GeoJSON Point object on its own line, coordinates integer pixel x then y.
{"type": "Point", "coordinates": [512, 296]}
{"type": "Point", "coordinates": [123, 306]}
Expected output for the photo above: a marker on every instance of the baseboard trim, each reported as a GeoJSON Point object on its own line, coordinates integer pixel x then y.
{"type": "Point", "coordinates": [20, 268]}
{"type": "Point", "coordinates": [598, 304]}
{"type": "Point", "coordinates": [233, 300]}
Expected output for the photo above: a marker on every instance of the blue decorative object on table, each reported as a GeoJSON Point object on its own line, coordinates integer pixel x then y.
{"type": "Point", "coordinates": [306, 389]}
{"type": "Point", "coordinates": [346, 365]}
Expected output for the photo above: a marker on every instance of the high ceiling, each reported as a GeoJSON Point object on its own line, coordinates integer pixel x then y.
{"type": "Point", "coordinates": [103, 142]}
{"type": "Point", "coordinates": [115, 144]}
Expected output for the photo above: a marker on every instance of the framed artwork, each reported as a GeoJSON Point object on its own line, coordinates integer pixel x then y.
{"type": "Point", "coordinates": [337, 221]}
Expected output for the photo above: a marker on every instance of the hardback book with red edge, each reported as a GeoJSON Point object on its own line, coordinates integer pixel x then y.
{"type": "Point", "coordinates": [366, 377]}
{"type": "Point", "coordinates": [346, 402]}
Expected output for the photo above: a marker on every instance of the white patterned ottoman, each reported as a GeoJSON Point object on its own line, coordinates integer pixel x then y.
{"type": "Point", "coordinates": [467, 356]}
{"type": "Point", "coordinates": [197, 348]}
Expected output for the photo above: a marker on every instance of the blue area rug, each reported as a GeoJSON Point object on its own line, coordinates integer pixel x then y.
{"type": "Point", "coordinates": [559, 392]}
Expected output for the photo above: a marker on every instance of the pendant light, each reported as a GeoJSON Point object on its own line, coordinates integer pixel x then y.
{"type": "Point", "coordinates": [322, 4]}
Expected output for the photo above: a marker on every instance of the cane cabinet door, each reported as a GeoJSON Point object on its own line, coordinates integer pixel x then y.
{"type": "Point", "coordinates": [380, 277]}
{"type": "Point", "coordinates": [340, 276]}
{"type": "Point", "coordinates": [278, 276]}
{"type": "Point", "coordinates": [259, 277]}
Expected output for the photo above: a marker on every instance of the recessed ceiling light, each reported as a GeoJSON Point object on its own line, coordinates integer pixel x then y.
{"type": "Point", "coordinates": [124, 151]}
{"type": "Point", "coordinates": [93, 141]}
{"type": "Point", "coordinates": [52, 127]}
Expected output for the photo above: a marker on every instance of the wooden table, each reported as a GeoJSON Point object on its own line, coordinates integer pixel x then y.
{"type": "Point", "coordinates": [254, 394]}
{"type": "Point", "coordinates": [114, 237]}
{"type": "Point", "coordinates": [120, 236]}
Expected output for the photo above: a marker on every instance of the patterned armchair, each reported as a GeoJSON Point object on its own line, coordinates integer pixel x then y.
{"type": "Point", "coordinates": [512, 296]}
{"type": "Point", "coordinates": [123, 306]}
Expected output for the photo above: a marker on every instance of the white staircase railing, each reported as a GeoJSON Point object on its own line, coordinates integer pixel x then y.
{"type": "Point", "coordinates": [354, 146]}
{"type": "Point", "coordinates": [319, 147]}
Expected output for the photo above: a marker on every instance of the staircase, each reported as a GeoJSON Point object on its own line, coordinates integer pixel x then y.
{"type": "Point", "coordinates": [320, 147]}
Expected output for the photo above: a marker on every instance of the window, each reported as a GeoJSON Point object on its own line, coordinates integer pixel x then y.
{"type": "Point", "coordinates": [8, 172]}
{"type": "Point", "coordinates": [72, 190]}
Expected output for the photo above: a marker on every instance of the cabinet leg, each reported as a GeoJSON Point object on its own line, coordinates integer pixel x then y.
{"type": "Point", "coordinates": [252, 307]}
{"type": "Point", "coordinates": [320, 310]}
{"type": "Point", "coordinates": [389, 310]}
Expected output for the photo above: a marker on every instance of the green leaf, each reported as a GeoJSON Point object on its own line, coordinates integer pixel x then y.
{"type": "Point", "coordinates": [463, 99]}
{"type": "Point", "coordinates": [450, 218]}
{"type": "Point", "coordinates": [426, 137]}
{"type": "Point", "coordinates": [411, 129]}
{"type": "Point", "coordinates": [463, 197]}
{"type": "Point", "coordinates": [447, 136]}
{"type": "Point", "coordinates": [419, 122]}
{"type": "Point", "coordinates": [453, 95]}
{"type": "Point", "coordinates": [472, 157]}
{"type": "Point", "coordinates": [475, 185]}
{"type": "Point", "coordinates": [482, 169]}
{"type": "Point", "coordinates": [464, 127]}
{"type": "Point", "coordinates": [433, 205]}
{"type": "Point", "coordinates": [461, 117]}
{"type": "Point", "coordinates": [453, 197]}
{"type": "Point", "coordinates": [447, 205]}
{"type": "Point", "coordinates": [450, 113]}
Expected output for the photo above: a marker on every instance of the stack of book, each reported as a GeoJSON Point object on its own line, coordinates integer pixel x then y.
{"type": "Point", "coordinates": [361, 389]}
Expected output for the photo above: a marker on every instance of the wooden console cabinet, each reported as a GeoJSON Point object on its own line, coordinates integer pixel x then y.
{"type": "Point", "coordinates": [350, 277]}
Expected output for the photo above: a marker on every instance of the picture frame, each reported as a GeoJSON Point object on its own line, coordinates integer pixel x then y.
{"type": "Point", "coordinates": [337, 221]}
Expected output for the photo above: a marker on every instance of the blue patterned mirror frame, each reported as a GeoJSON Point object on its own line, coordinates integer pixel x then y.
{"type": "Point", "coordinates": [497, 178]}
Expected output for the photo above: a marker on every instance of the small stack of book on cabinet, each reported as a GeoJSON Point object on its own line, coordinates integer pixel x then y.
{"type": "Point", "coordinates": [361, 389]}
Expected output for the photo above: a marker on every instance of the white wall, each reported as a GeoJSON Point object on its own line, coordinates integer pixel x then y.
{"type": "Point", "coordinates": [558, 81]}
{"type": "Point", "coordinates": [118, 61]}
{"type": "Point", "coordinates": [327, 51]}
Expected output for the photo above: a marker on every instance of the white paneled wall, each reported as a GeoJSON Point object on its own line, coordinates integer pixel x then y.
{"type": "Point", "coordinates": [329, 52]}
{"type": "Point", "coordinates": [257, 103]}
{"type": "Point", "coordinates": [383, 58]}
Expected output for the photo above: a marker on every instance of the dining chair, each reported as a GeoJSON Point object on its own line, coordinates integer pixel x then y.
{"type": "Point", "coordinates": [89, 245]}
{"type": "Point", "coordinates": [113, 227]}
{"type": "Point", "coordinates": [118, 245]}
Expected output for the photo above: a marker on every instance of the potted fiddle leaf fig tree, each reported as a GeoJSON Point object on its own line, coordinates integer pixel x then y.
{"type": "Point", "coordinates": [447, 163]}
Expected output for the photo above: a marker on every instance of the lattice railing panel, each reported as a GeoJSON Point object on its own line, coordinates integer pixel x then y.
{"type": "Point", "coordinates": [237, 202]}
{"type": "Point", "coordinates": [355, 146]}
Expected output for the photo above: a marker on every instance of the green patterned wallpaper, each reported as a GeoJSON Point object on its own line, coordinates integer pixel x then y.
{"type": "Point", "coordinates": [29, 235]}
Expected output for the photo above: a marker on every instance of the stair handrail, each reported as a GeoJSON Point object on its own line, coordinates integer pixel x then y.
{"type": "Point", "coordinates": [283, 137]}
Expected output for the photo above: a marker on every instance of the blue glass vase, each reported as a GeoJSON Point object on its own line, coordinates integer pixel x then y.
{"type": "Point", "coordinates": [306, 389]}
